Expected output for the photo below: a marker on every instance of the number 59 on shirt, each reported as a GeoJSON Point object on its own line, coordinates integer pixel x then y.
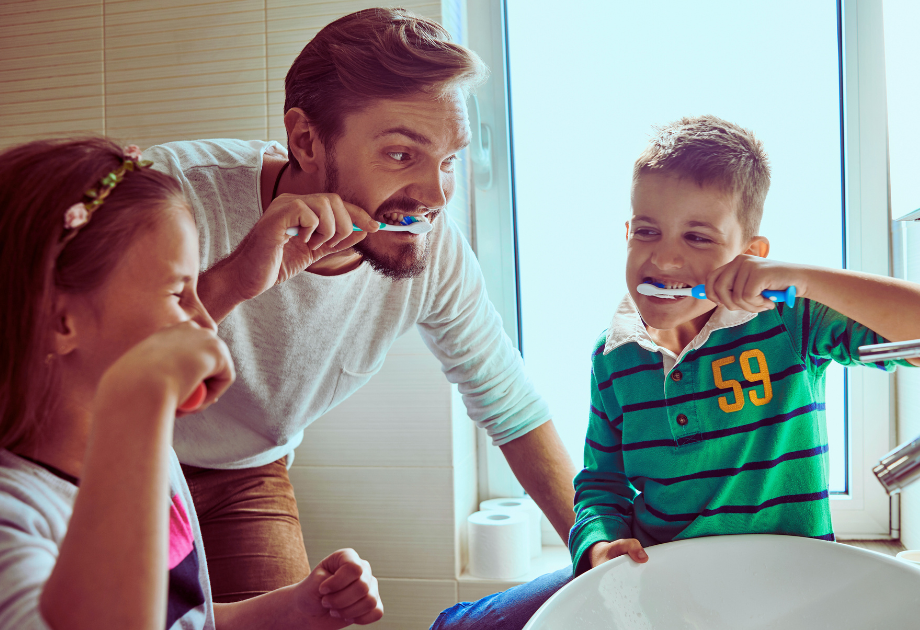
{"type": "Point", "coordinates": [762, 375]}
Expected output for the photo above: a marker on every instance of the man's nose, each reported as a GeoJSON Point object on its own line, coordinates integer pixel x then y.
{"type": "Point", "coordinates": [428, 188]}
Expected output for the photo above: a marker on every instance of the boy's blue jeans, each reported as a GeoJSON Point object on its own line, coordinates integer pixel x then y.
{"type": "Point", "coordinates": [508, 610]}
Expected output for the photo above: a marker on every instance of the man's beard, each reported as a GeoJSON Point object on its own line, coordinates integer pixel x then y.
{"type": "Point", "coordinates": [397, 262]}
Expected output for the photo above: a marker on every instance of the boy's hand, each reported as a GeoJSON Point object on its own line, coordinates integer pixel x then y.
{"type": "Point", "coordinates": [601, 552]}
{"type": "Point", "coordinates": [339, 592]}
{"type": "Point", "coordinates": [739, 284]}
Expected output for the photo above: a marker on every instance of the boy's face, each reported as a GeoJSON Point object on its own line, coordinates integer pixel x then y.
{"type": "Point", "coordinates": [678, 233]}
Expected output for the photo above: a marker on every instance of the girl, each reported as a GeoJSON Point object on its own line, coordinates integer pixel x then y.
{"type": "Point", "coordinates": [102, 337]}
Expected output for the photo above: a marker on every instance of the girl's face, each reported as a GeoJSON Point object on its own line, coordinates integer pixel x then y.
{"type": "Point", "coordinates": [153, 286]}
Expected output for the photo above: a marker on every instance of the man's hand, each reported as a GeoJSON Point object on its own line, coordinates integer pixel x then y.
{"type": "Point", "coordinates": [738, 285]}
{"type": "Point", "coordinates": [339, 592]}
{"type": "Point", "coordinates": [601, 552]}
{"type": "Point", "coordinates": [269, 256]}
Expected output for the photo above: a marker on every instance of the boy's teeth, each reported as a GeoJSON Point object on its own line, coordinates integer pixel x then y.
{"type": "Point", "coordinates": [674, 285]}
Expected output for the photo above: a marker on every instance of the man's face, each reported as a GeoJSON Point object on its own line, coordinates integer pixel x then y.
{"type": "Point", "coordinates": [396, 158]}
{"type": "Point", "coordinates": [678, 233]}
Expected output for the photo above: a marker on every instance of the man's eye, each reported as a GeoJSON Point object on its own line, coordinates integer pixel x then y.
{"type": "Point", "coordinates": [696, 238]}
{"type": "Point", "coordinates": [645, 232]}
{"type": "Point", "coordinates": [399, 156]}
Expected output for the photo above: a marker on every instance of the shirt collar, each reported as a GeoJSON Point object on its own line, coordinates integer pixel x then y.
{"type": "Point", "coordinates": [627, 326]}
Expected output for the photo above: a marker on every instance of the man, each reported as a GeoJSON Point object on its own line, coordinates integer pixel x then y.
{"type": "Point", "coordinates": [375, 116]}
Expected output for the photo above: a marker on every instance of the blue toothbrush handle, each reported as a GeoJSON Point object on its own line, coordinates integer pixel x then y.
{"type": "Point", "coordinates": [787, 296]}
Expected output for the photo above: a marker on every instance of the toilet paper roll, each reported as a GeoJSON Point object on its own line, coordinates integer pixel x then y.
{"type": "Point", "coordinates": [534, 516]}
{"type": "Point", "coordinates": [498, 544]}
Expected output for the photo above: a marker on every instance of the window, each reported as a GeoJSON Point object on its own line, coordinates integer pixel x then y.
{"type": "Point", "coordinates": [586, 86]}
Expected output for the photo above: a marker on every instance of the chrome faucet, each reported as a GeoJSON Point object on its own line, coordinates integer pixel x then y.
{"type": "Point", "coordinates": [901, 466]}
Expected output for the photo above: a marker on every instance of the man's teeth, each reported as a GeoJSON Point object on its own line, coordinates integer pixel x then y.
{"type": "Point", "coordinates": [395, 218]}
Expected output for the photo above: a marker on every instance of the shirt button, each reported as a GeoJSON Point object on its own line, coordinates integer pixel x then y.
{"type": "Point", "coordinates": [676, 375]}
{"type": "Point", "coordinates": [682, 420]}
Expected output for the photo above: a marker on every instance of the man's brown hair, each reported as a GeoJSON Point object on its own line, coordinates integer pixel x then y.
{"type": "Point", "coordinates": [713, 152]}
{"type": "Point", "coordinates": [372, 54]}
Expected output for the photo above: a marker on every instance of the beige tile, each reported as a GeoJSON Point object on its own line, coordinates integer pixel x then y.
{"type": "Point", "coordinates": [200, 98]}
{"type": "Point", "coordinates": [48, 25]}
{"type": "Point", "coordinates": [136, 14]}
{"type": "Point", "coordinates": [240, 65]}
{"type": "Point", "coordinates": [413, 604]}
{"type": "Point", "coordinates": [192, 70]}
{"type": "Point", "coordinates": [86, 82]}
{"type": "Point", "coordinates": [84, 104]}
{"type": "Point", "coordinates": [466, 501]}
{"type": "Point", "coordinates": [400, 519]}
{"type": "Point", "coordinates": [24, 13]}
{"type": "Point", "coordinates": [44, 66]}
{"type": "Point", "coordinates": [51, 64]}
{"type": "Point", "coordinates": [189, 117]}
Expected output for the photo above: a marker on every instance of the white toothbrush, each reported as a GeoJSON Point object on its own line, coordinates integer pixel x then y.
{"type": "Point", "coordinates": [415, 226]}
{"type": "Point", "coordinates": [699, 292]}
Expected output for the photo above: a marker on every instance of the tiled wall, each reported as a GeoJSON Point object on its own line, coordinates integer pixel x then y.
{"type": "Point", "coordinates": [147, 72]}
{"type": "Point", "coordinates": [392, 471]}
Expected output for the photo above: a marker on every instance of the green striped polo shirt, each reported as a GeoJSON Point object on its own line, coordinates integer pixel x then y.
{"type": "Point", "coordinates": [730, 440]}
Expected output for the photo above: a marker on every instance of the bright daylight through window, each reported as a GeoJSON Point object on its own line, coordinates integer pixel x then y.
{"type": "Point", "coordinates": [584, 103]}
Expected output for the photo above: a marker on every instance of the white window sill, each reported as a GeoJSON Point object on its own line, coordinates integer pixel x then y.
{"type": "Point", "coordinates": [553, 558]}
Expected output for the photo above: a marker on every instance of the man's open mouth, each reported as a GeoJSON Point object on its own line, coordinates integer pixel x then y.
{"type": "Point", "coordinates": [395, 217]}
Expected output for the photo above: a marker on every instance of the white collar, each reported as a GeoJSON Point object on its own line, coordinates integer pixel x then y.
{"type": "Point", "coordinates": [627, 326]}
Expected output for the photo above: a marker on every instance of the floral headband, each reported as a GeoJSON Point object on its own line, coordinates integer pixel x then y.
{"type": "Point", "coordinates": [79, 213]}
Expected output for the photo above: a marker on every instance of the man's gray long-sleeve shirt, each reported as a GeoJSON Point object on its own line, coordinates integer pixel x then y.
{"type": "Point", "coordinates": [306, 345]}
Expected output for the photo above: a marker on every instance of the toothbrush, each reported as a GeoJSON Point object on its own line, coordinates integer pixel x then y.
{"type": "Point", "coordinates": [409, 224]}
{"type": "Point", "coordinates": [195, 399]}
{"type": "Point", "coordinates": [699, 292]}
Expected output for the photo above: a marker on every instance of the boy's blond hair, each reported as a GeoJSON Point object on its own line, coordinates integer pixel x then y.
{"type": "Point", "coordinates": [713, 152]}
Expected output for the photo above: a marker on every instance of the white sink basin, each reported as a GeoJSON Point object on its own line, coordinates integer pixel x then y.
{"type": "Point", "coordinates": [748, 582]}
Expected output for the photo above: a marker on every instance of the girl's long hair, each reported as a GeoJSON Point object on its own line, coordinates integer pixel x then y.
{"type": "Point", "coordinates": [39, 181]}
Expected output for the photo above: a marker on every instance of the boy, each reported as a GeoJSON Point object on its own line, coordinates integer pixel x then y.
{"type": "Point", "coordinates": [707, 416]}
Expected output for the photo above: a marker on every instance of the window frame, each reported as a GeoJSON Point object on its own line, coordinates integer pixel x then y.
{"type": "Point", "coordinates": [865, 510]}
